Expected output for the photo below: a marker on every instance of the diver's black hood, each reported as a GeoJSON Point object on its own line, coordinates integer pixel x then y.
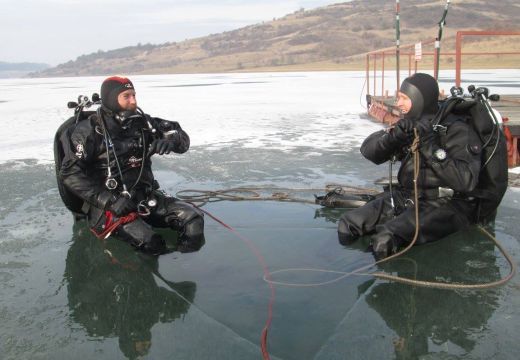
{"type": "Point", "coordinates": [110, 90]}
{"type": "Point", "coordinates": [423, 90]}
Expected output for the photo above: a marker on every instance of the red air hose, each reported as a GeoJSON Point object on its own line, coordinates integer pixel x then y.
{"type": "Point", "coordinates": [112, 223]}
{"type": "Point", "coordinates": [267, 275]}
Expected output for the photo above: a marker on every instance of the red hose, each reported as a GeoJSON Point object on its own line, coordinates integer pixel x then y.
{"type": "Point", "coordinates": [267, 275]}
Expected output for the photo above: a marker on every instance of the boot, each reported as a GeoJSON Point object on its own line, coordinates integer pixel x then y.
{"type": "Point", "coordinates": [384, 244]}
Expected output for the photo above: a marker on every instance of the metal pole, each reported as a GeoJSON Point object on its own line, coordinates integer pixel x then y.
{"type": "Point", "coordinates": [409, 64]}
{"type": "Point", "coordinates": [438, 40]}
{"type": "Point", "coordinates": [383, 75]}
{"type": "Point", "coordinates": [375, 77]}
{"type": "Point", "coordinates": [368, 73]}
{"type": "Point", "coordinates": [397, 42]}
{"type": "Point", "coordinates": [458, 56]}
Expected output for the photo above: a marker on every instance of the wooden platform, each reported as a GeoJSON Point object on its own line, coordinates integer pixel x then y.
{"type": "Point", "coordinates": [508, 106]}
{"type": "Point", "coordinates": [383, 109]}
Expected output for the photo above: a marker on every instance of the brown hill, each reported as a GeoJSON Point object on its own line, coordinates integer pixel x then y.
{"type": "Point", "coordinates": [320, 39]}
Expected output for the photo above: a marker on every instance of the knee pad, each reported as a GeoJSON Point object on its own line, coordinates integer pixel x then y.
{"type": "Point", "coordinates": [194, 227]}
{"type": "Point", "coordinates": [179, 214]}
{"type": "Point", "coordinates": [192, 237]}
{"type": "Point", "coordinates": [141, 235]}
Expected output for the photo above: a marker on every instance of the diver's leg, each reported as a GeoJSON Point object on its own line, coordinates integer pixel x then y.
{"type": "Point", "coordinates": [363, 220]}
{"type": "Point", "coordinates": [180, 216]}
{"type": "Point", "coordinates": [141, 235]}
{"type": "Point", "coordinates": [437, 219]}
{"type": "Point", "coordinates": [137, 233]}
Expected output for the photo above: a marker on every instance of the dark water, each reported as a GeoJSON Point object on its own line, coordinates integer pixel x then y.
{"type": "Point", "coordinates": [64, 294]}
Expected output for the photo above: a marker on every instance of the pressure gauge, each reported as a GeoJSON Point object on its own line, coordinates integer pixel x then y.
{"type": "Point", "coordinates": [440, 154]}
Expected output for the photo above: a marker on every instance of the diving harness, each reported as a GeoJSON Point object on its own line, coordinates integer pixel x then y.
{"type": "Point", "coordinates": [144, 206]}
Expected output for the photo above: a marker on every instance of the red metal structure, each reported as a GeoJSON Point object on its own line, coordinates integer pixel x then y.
{"type": "Point", "coordinates": [382, 107]}
{"type": "Point", "coordinates": [458, 48]}
{"type": "Point", "coordinates": [407, 50]}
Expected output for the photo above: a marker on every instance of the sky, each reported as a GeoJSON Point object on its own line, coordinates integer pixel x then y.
{"type": "Point", "coordinates": [56, 31]}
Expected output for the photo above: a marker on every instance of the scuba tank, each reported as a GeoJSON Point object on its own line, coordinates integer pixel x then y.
{"type": "Point", "coordinates": [71, 201]}
{"type": "Point", "coordinates": [493, 176]}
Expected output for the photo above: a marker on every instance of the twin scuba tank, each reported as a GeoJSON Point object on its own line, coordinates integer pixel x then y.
{"type": "Point", "coordinates": [62, 136]}
{"type": "Point", "coordinates": [477, 112]}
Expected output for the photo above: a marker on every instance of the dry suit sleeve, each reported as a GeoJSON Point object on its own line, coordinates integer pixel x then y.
{"type": "Point", "coordinates": [168, 129]}
{"type": "Point", "coordinates": [381, 146]}
{"type": "Point", "coordinates": [461, 167]}
{"type": "Point", "coordinates": [79, 151]}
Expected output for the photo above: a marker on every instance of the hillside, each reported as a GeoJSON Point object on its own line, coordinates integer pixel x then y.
{"type": "Point", "coordinates": [323, 38]}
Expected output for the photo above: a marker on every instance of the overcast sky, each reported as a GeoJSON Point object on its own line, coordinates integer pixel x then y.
{"type": "Point", "coordinates": [55, 31]}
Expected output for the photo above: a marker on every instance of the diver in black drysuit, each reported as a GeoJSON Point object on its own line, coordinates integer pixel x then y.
{"type": "Point", "coordinates": [127, 185]}
{"type": "Point", "coordinates": [449, 171]}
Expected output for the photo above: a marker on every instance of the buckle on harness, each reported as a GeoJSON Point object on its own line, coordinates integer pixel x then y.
{"type": "Point", "coordinates": [434, 193]}
{"type": "Point", "coordinates": [440, 128]}
{"type": "Point", "coordinates": [445, 192]}
{"type": "Point", "coordinates": [144, 208]}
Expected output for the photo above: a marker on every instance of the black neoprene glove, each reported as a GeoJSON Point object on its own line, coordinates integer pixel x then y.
{"type": "Point", "coordinates": [161, 146]}
{"type": "Point", "coordinates": [121, 206]}
{"type": "Point", "coordinates": [403, 130]}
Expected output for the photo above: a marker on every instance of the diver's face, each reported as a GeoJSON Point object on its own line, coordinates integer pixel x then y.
{"type": "Point", "coordinates": [127, 100]}
{"type": "Point", "coordinates": [404, 103]}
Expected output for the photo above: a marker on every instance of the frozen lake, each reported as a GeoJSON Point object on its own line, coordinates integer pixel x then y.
{"type": "Point", "coordinates": [62, 297]}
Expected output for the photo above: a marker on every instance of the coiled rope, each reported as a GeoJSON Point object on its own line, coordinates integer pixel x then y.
{"type": "Point", "coordinates": [254, 193]}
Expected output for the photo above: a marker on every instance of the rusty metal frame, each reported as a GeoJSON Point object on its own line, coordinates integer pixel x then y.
{"type": "Point", "coordinates": [458, 48]}
{"type": "Point", "coordinates": [407, 50]}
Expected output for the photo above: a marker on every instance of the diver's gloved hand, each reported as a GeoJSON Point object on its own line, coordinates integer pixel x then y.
{"type": "Point", "coordinates": [403, 130]}
{"type": "Point", "coordinates": [121, 206]}
{"type": "Point", "coordinates": [161, 146]}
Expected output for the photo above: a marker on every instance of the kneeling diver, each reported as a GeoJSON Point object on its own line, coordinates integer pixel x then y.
{"type": "Point", "coordinates": [106, 165]}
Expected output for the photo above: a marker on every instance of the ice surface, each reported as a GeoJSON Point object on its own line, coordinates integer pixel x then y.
{"type": "Point", "coordinates": [60, 291]}
{"type": "Point", "coordinates": [257, 110]}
